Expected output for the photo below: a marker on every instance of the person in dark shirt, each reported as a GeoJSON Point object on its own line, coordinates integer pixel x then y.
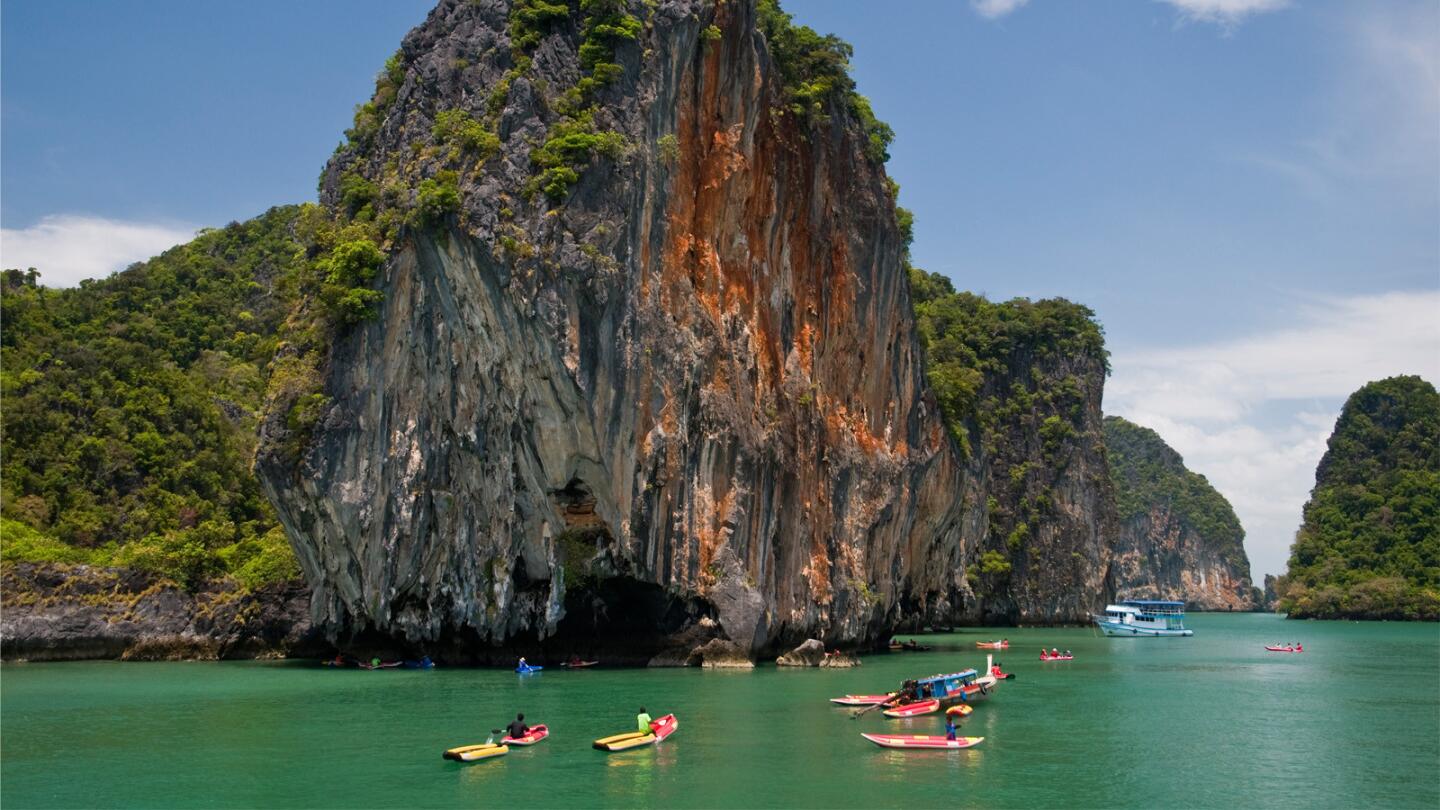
{"type": "Point", "coordinates": [517, 728]}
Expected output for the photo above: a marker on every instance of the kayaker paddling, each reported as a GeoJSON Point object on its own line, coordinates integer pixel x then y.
{"type": "Point", "coordinates": [643, 721]}
{"type": "Point", "coordinates": [517, 727]}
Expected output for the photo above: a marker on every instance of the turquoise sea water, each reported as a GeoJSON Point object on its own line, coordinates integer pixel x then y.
{"type": "Point", "coordinates": [1209, 721]}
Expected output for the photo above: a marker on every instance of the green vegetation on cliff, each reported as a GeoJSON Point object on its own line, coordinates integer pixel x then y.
{"type": "Point", "coordinates": [981, 356]}
{"type": "Point", "coordinates": [131, 404]}
{"type": "Point", "coordinates": [1369, 544]}
{"type": "Point", "coordinates": [1146, 472]}
{"type": "Point", "coordinates": [815, 70]}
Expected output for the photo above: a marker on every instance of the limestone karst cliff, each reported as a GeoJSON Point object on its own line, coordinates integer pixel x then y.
{"type": "Point", "coordinates": [655, 384]}
{"type": "Point", "coordinates": [1178, 538]}
{"type": "Point", "coordinates": [601, 339]}
{"type": "Point", "coordinates": [1020, 383]}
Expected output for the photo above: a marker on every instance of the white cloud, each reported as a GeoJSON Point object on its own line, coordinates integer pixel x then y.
{"type": "Point", "coordinates": [995, 9]}
{"type": "Point", "coordinates": [67, 248]}
{"type": "Point", "coordinates": [1224, 12]}
{"type": "Point", "coordinates": [1253, 414]}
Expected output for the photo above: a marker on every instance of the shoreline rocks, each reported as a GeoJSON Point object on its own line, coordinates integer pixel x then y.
{"type": "Point", "coordinates": [75, 612]}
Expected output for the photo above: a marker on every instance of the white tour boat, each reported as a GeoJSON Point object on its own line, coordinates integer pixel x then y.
{"type": "Point", "coordinates": [1143, 617]}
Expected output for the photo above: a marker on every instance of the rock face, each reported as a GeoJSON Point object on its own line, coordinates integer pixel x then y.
{"type": "Point", "coordinates": [808, 654]}
{"type": "Point", "coordinates": [1054, 512]}
{"type": "Point", "coordinates": [1036, 372]}
{"type": "Point", "coordinates": [55, 612]}
{"type": "Point", "coordinates": [1178, 537]}
{"type": "Point", "coordinates": [689, 390]}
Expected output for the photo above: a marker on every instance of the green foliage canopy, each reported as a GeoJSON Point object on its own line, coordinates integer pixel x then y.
{"type": "Point", "coordinates": [1369, 542]}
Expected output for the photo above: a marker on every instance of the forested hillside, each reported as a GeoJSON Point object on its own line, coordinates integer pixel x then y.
{"type": "Point", "coordinates": [131, 405]}
{"type": "Point", "coordinates": [1369, 546]}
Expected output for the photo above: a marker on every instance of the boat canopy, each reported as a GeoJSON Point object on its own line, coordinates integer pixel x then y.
{"type": "Point", "coordinates": [964, 676]}
{"type": "Point", "coordinates": [1156, 607]}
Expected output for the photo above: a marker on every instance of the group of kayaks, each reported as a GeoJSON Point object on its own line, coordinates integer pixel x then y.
{"type": "Point", "coordinates": [659, 730]}
{"type": "Point", "coordinates": [925, 696]}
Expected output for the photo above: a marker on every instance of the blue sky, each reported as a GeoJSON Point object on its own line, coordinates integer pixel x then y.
{"type": "Point", "coordinates": [1246, 191]}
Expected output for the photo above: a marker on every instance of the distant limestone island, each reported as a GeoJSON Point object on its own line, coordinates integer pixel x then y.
{"type": "Point", "coordinates": [524, 380]}
{"type": "Point", "coordinates": [1369, 546]}
{"type": "Point", "coordinates": [1178, 537]}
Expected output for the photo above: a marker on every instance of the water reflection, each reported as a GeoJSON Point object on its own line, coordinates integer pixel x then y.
{"type": "Point", "coordinates": [634, 774]}
{"type": "Point", "coordinates": [485, 771]}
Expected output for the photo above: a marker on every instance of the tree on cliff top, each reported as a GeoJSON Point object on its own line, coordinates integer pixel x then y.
{"type": "Point", "coordinates": [1369, 543]}
{"type": "Point", "coordinates": [1146, 471]}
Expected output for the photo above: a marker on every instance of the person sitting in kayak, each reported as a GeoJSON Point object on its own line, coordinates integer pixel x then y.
{"type": "Point", "coordinates": [949, 727]}
{"type": "Point", "coordinates": [1069, 654]}
{"type": "Point", "coordinates": [1299, 647]}
{"type": "Point", "coordinates": [643, 721]}
{"type": "Point", "coordinates": [575, 660]}
{"type": "Point", "coordinates": [517, 727]}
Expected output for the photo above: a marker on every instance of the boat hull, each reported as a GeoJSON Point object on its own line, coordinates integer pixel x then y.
{"type": "Point", "coordinates": [1283, 650]}
{"type": "Point", "coordinates": [1057, 658]}
{"type": "Point", "coordinates": [921, 741]}
{"type": "Point", "coordinates": [913, 709]}
{"type": "Point", "coordinates": [1119, 630]}
{"type": "Point", "coordinates": [861, 700]}
{"type": "Point", "coordinates": [475, 753]}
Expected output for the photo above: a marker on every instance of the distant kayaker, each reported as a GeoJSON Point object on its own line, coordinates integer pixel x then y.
{"type": "Point", "coordinates": [642, 722]}
{"type": "Point", "coordinates": [517, 727]}
{"type": "Point", "coordinates": [522, 664]}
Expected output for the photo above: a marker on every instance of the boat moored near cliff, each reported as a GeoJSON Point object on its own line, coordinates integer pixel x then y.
{"type": "Point", "coordinates": [1143, 617]}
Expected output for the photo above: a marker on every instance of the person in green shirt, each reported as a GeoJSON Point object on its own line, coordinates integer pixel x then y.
{"type": "Point", "coordinates": [643, 721]}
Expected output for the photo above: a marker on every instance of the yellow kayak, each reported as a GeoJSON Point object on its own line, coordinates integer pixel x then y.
{"type": "Point", "coordinates": [474, 753]}
{"type": "Point", "coordinates": [620, 742]}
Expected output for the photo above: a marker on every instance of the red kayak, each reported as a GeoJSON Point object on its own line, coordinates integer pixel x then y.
{"type": "Point", "coordinates": [920, 741]}
{"type": "Point", "coordinates": [1285, 649]}
{"type": "Point", "coordinates": [1057, 658]}
{"type": "Point", "coordinates": [534, 735]}
{"type": "Point", "coordinates": [914, 709]}
{"type": "Point", "coordinates": [993, 645]}
{"type": "Point", "coordinates": [861, 700]}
